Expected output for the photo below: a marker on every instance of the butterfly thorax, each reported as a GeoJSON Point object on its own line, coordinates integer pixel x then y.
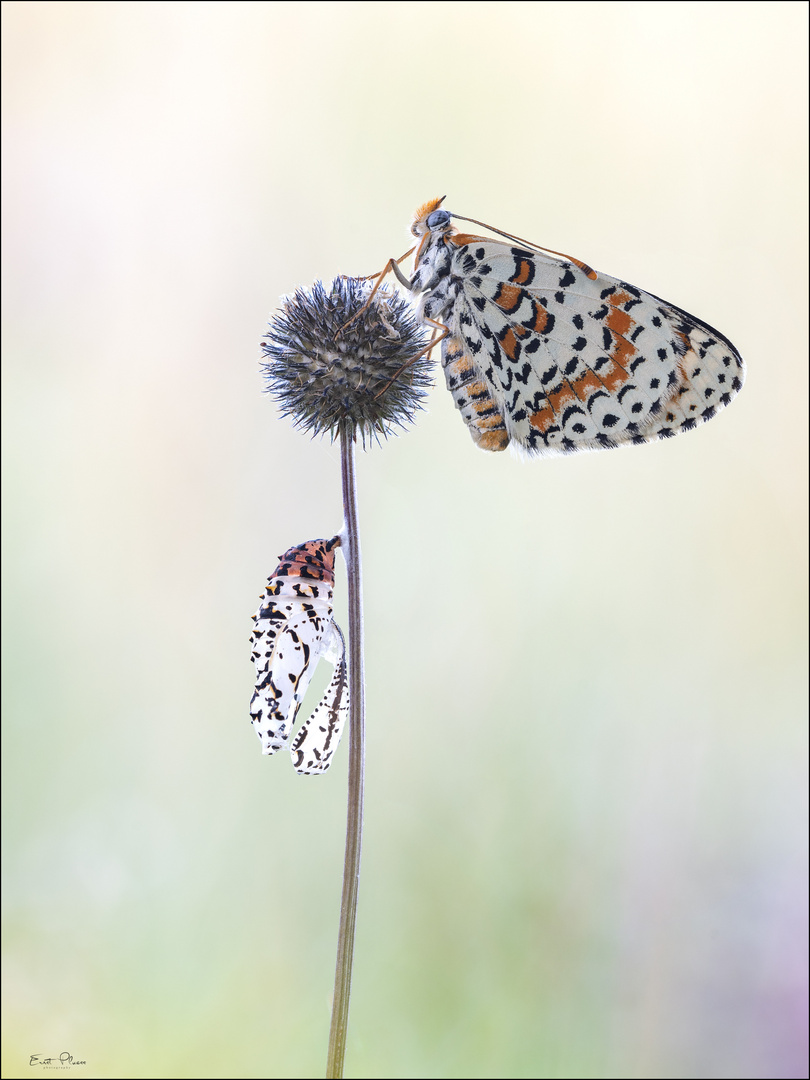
{"type": "Point", "coordinates": [432, 274]}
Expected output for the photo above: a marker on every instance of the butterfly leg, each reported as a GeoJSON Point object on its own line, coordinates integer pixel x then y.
{"type": "Point", "coordinates": [392, 266]}
{"type": "Point", "coordinates": [443, 332]}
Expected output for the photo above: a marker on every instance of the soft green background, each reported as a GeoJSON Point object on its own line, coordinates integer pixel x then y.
{"type": "Point", "coordinates": [584, 853]}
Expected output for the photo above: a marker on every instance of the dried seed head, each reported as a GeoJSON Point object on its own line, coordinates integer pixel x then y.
{"type": "Point", "coordinates": [359, 378]}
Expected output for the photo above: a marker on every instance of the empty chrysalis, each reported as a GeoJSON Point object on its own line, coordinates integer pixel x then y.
{"type": "Point", "coordinates": [293, 630]}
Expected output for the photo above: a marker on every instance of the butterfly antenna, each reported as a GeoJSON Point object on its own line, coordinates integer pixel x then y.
{"type": "Point", "coordinates": [518, 240]}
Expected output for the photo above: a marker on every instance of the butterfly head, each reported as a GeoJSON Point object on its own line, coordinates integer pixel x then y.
{"type": "Point", "coordinates": [430, 219]}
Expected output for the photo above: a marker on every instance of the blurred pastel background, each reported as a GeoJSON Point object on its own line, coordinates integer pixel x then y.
{"type": "Point", "coordinates": [585, 842]}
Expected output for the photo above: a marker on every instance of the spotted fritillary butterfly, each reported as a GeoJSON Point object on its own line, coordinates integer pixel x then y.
{"type": "Point", "coordinates": [544, 353]}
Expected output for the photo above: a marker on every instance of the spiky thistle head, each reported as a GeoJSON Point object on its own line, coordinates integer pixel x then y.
{"type": "Point", "coordinates": [332, 372]}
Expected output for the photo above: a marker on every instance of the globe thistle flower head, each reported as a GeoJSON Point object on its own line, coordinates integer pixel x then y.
{"type": "Point", "coordinates": [360, 378]}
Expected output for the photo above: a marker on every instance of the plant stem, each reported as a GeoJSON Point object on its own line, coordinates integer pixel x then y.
{"type": "Point", "coordinates": [354, 817]}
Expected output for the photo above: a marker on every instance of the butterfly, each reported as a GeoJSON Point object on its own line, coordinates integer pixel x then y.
{"type": "Point", "coordinates": [293, 629]}
{"type": "Point", "coordinates": [542, 352]}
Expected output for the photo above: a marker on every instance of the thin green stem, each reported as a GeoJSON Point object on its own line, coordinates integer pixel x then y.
{"type": "Point", "coordinates": [354, 818]}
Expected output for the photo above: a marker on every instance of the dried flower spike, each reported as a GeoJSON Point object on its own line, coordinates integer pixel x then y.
{"type": "Point", "coordinates": [329, 376]}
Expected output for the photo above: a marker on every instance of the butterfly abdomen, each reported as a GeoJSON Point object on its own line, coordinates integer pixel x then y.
{"type": "Point", "coordinates": [472, 397]}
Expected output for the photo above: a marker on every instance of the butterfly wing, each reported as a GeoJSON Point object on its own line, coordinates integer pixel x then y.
{"type": "Point", "coordinates": [543, 355]}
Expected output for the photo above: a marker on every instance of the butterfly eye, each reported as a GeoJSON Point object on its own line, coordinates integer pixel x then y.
{"type": "Point", "coordinates": [438, 217]}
